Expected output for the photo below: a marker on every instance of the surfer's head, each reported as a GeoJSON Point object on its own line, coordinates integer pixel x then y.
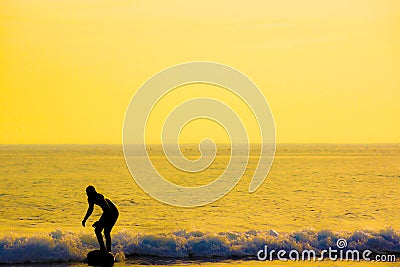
{"type": "Point", "coordinates": [90, 191]}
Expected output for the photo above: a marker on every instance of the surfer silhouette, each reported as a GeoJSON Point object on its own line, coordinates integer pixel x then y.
{"type": "Point", "coordinates": [107, 219]}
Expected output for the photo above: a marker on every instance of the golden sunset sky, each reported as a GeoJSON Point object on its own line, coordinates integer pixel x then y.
{"type": "Point", "coordinates": [330, 70]}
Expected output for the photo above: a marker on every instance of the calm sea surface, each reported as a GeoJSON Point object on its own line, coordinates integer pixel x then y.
{"type": "Point", "coordinates": [320, 186]}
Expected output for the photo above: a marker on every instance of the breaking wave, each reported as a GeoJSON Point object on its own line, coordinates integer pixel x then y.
{"type": "Point", "coordinates": [65, 246]}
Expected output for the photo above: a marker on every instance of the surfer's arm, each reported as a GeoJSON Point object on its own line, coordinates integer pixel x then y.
{"type": "Point", "coordinates": [88, 213]}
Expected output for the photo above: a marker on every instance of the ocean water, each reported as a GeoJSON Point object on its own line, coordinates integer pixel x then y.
{"type": "Point", "coordinates": [313, 195]}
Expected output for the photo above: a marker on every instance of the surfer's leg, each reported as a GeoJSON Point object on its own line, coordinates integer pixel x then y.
{"type": "Point", "coordinates": [100, 236]}
{"type": "Point", "coordinates": [107, 235]}
{"type": "Point", "coordinates": [107, 231]}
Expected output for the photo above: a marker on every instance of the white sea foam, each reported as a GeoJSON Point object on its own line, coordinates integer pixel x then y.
{"type": "Point", "coordinates": [63, 246]}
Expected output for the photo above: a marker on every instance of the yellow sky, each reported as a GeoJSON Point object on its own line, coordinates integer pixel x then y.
{"type": "Point", "coordinates": [329, 69]}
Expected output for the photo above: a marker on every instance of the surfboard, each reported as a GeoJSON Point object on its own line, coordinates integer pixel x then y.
{"type": "Point", "coordinates": [100, 258]}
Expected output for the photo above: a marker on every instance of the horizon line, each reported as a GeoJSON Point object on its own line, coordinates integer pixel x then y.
{"type": "Point", "coordinates": [280, 143]}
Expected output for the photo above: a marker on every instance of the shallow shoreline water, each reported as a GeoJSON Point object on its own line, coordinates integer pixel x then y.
{"type": "Point", "coordinates": [275, 263]}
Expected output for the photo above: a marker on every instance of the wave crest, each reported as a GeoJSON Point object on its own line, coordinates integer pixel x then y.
{"type": "Point", "coordinates": [64, 246]}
